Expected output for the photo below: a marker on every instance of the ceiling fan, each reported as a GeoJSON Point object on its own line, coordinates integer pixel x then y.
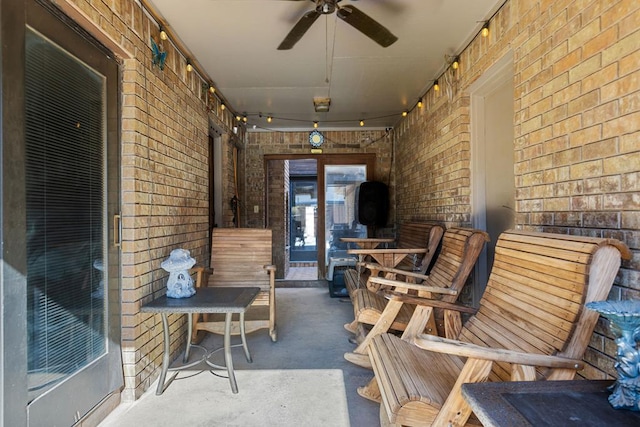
{"type": "Point", "coordinates": [349, 14]}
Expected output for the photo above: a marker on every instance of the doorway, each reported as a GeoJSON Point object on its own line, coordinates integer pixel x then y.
{"type": "Point", "coordinates": [318, 223]}
{"type": "Point", "coordinates": [67, 351]}
{"type": "Point", "coordinates": [492, 158]}
{"type": "Point", "coordinates": [303, 211]}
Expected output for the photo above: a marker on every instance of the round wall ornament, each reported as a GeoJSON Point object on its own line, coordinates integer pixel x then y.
{"type": "Point", "coordinates": [316, 139]}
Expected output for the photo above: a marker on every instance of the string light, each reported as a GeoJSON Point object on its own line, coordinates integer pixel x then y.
{"type": "Point", "coordinates": [212, 89]}
{"type": "Point", "coordinates": [404, 113]}
{"type": "Point", "coordinates": [485, 29]}
{"type": "Point", "coordinates": [245, 119]}
{"type": "Point", "coordinates": [238, 118]}
{"type": "Point", "coordinates": [222, 106]}
{"type": "Point", "coordinates": [269, 119]}
{"type": "Point", "coordinates": [315, 125]}
{"type": "Point", "coordinates": [189, 66]}
{"type": "Point", "coordinates": [436, 86]}
{"type": "Point", "coordinates": [163, 33]}
{"type": "Point", "coordinates": [456, 63]}
{"type": "Point", "coordinates": [361, 122]}
{"type": "Point", "coordinates": [420, 103]}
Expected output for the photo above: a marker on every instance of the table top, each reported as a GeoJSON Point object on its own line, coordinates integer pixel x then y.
{"type": "Point", "coordinates": [549, 403]}
{"type": "Point", "coordinates": [366, 239]}
{"type": "Point", "coordinates": [215, 299]}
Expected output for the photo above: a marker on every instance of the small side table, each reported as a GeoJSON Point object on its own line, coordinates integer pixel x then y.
{"type": "Point", "coordinates": [548, 403]}
{"type": "Point", "coordinates": [216, 299]}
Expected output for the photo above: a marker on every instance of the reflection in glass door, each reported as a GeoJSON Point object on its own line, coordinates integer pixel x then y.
{"type": "Point", "coordinates": [341, 183]}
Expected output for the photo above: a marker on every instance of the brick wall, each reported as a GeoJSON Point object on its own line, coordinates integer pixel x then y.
{"type": "Point", "coordinates": [576, 127]}
{"type": "Point", "coordinates": [165, 122]}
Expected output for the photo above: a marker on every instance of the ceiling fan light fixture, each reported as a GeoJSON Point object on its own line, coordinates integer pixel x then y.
{"type": "Point", "coordinates": [321, 105]}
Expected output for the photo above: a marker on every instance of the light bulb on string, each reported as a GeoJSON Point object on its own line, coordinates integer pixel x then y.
{"type": "Point", "coordinates": [436, 86]}
{"type": "Point", "coordinates": [485, 29]}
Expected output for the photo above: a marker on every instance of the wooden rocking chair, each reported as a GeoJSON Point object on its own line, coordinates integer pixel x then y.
{"type": "Point", "coordinates": [240, 257]}
{"type": "Point", "coordinates": [460, 250]}
{"type": "Point", "coordinates": [531, 325]}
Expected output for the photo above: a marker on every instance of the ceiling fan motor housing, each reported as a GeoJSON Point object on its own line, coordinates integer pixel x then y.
{"type": "Point", "coordinates": [326, 7]}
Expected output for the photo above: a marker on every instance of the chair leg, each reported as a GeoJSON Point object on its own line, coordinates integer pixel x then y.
{"type": "Point", "coordinates": [371, 391]}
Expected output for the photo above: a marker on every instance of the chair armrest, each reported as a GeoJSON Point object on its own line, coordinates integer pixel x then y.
{"type": "Point", "coordinates": [382, 268]}
{"type": "Point", "coordinates": [412, 286]}
{"type": "Point", "coordinates": [458, 348]}
{"type": "Point", "coordinates": [428, 302]}
{"type": "Point", "coordinates": [195, 270]}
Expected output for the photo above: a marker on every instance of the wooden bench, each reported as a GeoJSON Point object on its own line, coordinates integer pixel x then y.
{"type": "Point", "coordinates": [241, 257]}
{"type": "Point", "coordinates": [415, 248]}
{"type": "Point", "coordinates": [531, 325]}
{"type": "Point", "coordinates": [460, 250]}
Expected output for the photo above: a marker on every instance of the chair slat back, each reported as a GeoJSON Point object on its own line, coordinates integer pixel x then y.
{"type": "Point", "coordinates": [535, 296]}
{"type": "Point", "coordinates": [239, 255]}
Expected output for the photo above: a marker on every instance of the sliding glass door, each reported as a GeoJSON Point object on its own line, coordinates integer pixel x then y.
{"type": "Point", "coordinates": [71, 193]}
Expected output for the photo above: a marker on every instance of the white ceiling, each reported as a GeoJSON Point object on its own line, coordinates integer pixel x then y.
{"type": "Point", "coordinates": [235, 42]}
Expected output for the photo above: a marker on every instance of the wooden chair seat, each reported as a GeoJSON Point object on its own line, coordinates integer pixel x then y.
{"type": "Point", "coordinates": [416, 396]}
{"type": "Point", "coordinates": [369, 307]}
{"type": "Point", "coordinates": [531, 325]}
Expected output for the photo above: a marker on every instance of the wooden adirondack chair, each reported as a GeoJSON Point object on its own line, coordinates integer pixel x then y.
{"type": "Point", "coordinates": [240, 257]}
{"type": "Point", "coordinates": [460, 250]}
{"type": "Point", "coordinates": [531, 325]}
{"type": "Point", "coordinates": [415, 239]}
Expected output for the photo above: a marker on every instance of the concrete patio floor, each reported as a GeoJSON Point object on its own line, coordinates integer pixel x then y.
{"type": "Point", "coordinates": [302, 379]}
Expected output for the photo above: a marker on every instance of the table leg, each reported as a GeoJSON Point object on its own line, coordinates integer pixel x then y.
{"type": "Point", "coordinates": [165, 355]}
{"type": "Point", "coordinates": [244, 339]}
{"type": "Point", "coordinates": [227, 353]}
{"type": "Point", "coordinates": [187, 349]}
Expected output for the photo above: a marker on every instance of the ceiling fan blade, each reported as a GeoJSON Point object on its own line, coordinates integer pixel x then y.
{"type": "Point", "coordinates": [366, 25]}
{"type": "Point", "coordinates": [298, 30]}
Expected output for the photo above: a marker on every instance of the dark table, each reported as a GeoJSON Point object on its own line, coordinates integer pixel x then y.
{"type": "Point", "coordinates": [546, 403]}
{"type": "Point", "coordinates": [217, 299]}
